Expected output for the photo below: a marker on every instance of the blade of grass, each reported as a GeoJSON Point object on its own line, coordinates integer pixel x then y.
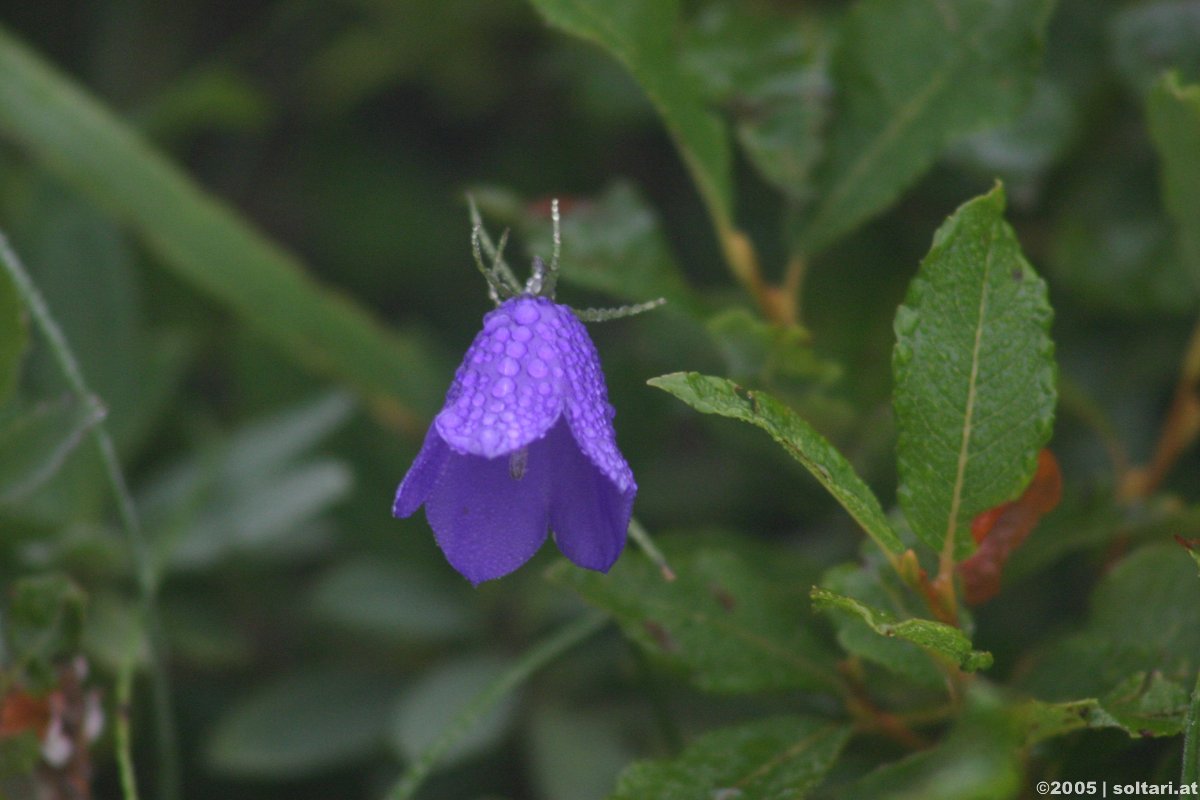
{"type": "Point", "coordinates": [534, 659]}
{"type": "Point", "coordinates": [205, 243]}
{"type": "Point", "coordinates": [139, 551]}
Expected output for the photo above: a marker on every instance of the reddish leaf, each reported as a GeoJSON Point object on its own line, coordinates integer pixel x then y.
{"type": "Point", "coordinates": [1001, 530]}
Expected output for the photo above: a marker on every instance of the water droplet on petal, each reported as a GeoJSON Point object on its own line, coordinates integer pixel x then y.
{"type": "Point", "coordinates": [503, 387]}
{"type": "Point", "coordinates": [537, 368]}
{"type": "Point", "coordinates": [522, 334]}
{"type": "Point", "coordinates": [526, 313]}
{"type": "Point", "coordinates": [509, 367]}
{"type": "Point", "coordinates": [516, 349]}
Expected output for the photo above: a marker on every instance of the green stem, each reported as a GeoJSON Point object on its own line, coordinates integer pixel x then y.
{"type": "Point", "coordinates": [124, 745]}
{"type": "Point", "coordinates": [143, 565]}
{"type": "Point", "coordinates": [1191, 739]}
{"type": "Point", "coordinates": [641, 537]}
{"type": "Point", "coordinates": [537, 657]}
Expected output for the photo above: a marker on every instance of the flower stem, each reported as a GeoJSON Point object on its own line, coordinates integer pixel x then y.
{"type": "Point", "coordinates": [129, 790]}
{"type": "Point", "coordinates": [641, 537]}
{"type": "Point", "coordinates": [143, 565]}
{"type": "Point", "coordinates": [534, 659]}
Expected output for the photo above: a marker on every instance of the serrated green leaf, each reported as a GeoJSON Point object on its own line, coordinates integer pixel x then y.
{"type": "Point", "coordinates": [200, 239]}
{"type": "Point", "coordinates": [35, 442]}
{"type": "Point", "coordinates": [1148, 704]}
{"type": "Point", "coordinates": [13, 335]}
{"type": "Point", "coordinates": [974, 374]}
{"type": "Point", "coordinates": [300, 724]}
{"type": "Point", "coordinates": [710, 395]}
{"type": "Point", "coordinates": [910, 76]}
{"type": "Point", "coordinates": [877, 588]}
{"type": "Point", "coordinates": [936, 637]}
{"type": "Point", "coordinates": [762, 760]}
{"type": "Point", "coordinates": [642, 37]}
{"type": "Point", "coordinates": [1174, 112]}
{"type": "Point", "coordinates": [733, 623]}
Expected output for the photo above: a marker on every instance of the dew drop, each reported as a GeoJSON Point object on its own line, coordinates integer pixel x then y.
{"type": "Point", "coordinates": [526, 313]}
{"type": "Point", "coordinates": [537, 368]}
{"type": "Point", "coordinates": [509, 367]}
{"type": "Point", "coordinates": [516, 349]}
{"type": "Point", "coordinates": [522, 334]}
{"type": "Point", "coordinates": [503, 387]}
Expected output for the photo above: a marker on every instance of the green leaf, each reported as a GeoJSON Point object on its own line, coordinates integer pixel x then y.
{"type": "Point", "coordinates": [1147, 704]}
{"type": "Point", "coordinates": [911, 76]}
{"type": "Point", "coordinates": [974, 375]}
{"type": "Point", "coordinates": [758, 350]}
{"type": "Point", "coordinates": [775, 757]}
{"type": "Point", "coordinates": [392, 600]}
{"type": "Point", "coordinates": [936, 637]}
{"type": "Point", "coordinates": [979, 759]}
{"type": "Point", "coordinates": [301, 724]}
{"type": "Point", "coordinates": [1174, 112]}
{"type": "Point", "coordinates": [35, 442]}
{"type": "Point", "coordinates": [200, 239]}
{"type": "Point", "coordinates": [1147, 39]}
{"type": "Point", "coordinates": [710, 395]}
{"type": "Point", "coordinates": [732, 622]}
{"type": "Point", "coordinates": [1191, 738]}
{"type": "Point", "coordinates": [880, 589]}
{"type": "Point", "coordinates": [770, 73]}
{"type": "Point", "coordinates": [1145, 619]}
{"type": "Point", "coordinates": [642, 37]}
{"type": "Point", "coordinates": [429, 706]}
{"type": "Point", "coordinates": [13, 335]}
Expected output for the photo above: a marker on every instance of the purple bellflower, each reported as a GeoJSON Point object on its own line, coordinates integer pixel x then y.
{"type": "Point", "coordinates": [525, 443]}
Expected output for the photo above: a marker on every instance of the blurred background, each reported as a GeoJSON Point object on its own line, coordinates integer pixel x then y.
{"type": "Point", "coordinates": [316, 644]}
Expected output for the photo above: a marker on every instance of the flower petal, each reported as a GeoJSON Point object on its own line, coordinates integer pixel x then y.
{"type": "Point", "coordinates": [422, 476]}
{"type": "Point", "coordinates": [510, 387]}
{"type": "Point", "coordinates": [587, 408]}
{"type": "Point", "coordinates": [588, 513]}
{"type": "Point", "coordinates": [487, 522]}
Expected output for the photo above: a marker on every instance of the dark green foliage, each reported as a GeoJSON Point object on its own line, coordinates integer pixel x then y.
{"type": "Point", "coordinates": [249, 230]}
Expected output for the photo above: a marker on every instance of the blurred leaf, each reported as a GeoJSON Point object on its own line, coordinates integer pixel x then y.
{"type": "Point", "coordinates": [20, 755]}
{"type": "Point", "coordinates": [1191, 739]}
{"type": "Point", "coordinates": [770, 758]}
{"type": "Point", "coordinates": [1148, 38]}
{"type": "Point", "coordinates": [732, 622]}
{"type": "Point", "coordinates": [1114, 250]}
{"type": "Point", "coordinates": [878, 588]}
{"type": "Point", "coordinates": [43, 624]}
{"type": "Point", "coordinates": [204, 242]}
{"type": "Point", "coordinates": [770, 72]}
{"type": "Point", "coordinates": [217, 98]}
{"type": "Point", "coordinates": [762, 351]}
{"type": "Point", "coordinates": [642, 36]}
{"type": "Point", "coordinates": [392, 601]}
{"type": "Point", "coordinates": [975, 376]}
{"type": "Point", "coordinates": [936, 637]}
{"type": "Point", "coordinates": [429, 706]}
{"type": "Point", "coordinates": [36, 441]}
{"type": "Point", "coordinates": [979, 759]}
{"type": "Point", "coordinates": [1174, 112]}
{"type": "Point", "coordinates": [576, 753]}
{"type": "Point", "coordinates": [1021, 151]}
{"type": "Point", "coordinates": [1145, 618]}
{"type": "Point", "coordinates": [710, 395]}
{"type": "Point", "coordinates": [113, 635]}
{"type": "Point", "coordinates": [253, 492]}
{"type": "Point", "coordinates": [13, 336]}
{"type": "Point", "coordinates": [910, 77]}
{"type": "Point", "coordinates": [302, 723]}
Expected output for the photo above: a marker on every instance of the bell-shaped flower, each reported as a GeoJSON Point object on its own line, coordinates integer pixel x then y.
{"type": "Point", "coordinates": [524, 445]}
